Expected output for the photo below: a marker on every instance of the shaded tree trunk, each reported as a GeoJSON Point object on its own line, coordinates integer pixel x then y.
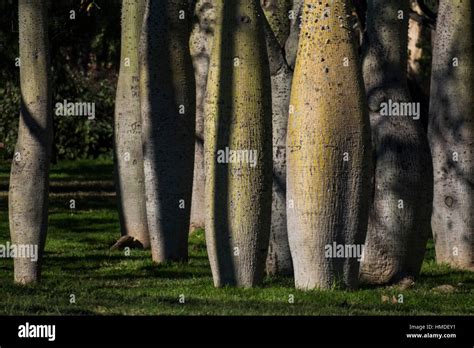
{"type": "Point", "coordinates": [238, 118]}
{"type": "Point", "coordinates": [277, 14]}
{"type": "Point", "coordinates": [328, 150]}
{"type": "Point", "coordinates": [29, 178]}
{"type": "Point", "coordinates": [451, 134]}
{"type": "Point", "coordinates": [279, 256]}
{"type": "Point", "coordinates": [130, 181]}
{"type": "Point", "coordinates": [401, 208]}
{"type": "Point", "coordinates": [167, 97]}
{"type": "Point", "coordinates": [417, 33]}
{"type": "Point", "coordinates": [419, 51]}
{"type": "Point", "coordinates": [201, 46]}
{"type": "Point", "coordinates": [291, 44]}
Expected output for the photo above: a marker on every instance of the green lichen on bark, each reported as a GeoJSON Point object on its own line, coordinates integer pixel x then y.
{"type": "Point", "coordinates": [238, 116]}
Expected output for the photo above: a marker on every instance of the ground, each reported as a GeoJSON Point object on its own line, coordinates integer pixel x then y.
{"type": "Point", "coordinates": [78, 262]}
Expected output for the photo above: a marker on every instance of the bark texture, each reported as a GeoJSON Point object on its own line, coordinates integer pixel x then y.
{"type": "Point", "coordinates": [29, 178]}
{"type": "Point", "coordinates": [291, 44]}
{"type": "Point", "coordinates": [451, 134]}
{"type": "Point", "coordinates": [279, 256]}
{"type": "Point", "coordinates": [277, 13]}
{"type": "Point", "coordinates": [238, 116]}
{"type": "Point", "coordinates": [130, 180]}
{"type": "Point", "coordinates": [401, 208]}
{"type": "Point", "coordinates": [328, 123]}
{"type": "Point", "coordinates": [201, 46]}
{"type": "Point", "coordinates": [167, 96]}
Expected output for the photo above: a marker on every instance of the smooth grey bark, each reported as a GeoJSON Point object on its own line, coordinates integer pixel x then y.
{"type": "Point", "coordinates": [451, 134]}
{"type": "Point", "coordinates": [401, 208]}
{"type": "Point", "coordinates": [238, 117]}
{"type": "Point", "coordinates": [201, 46]}
{"type": "Point", "coordinates": [328, 150]}
{"type": "Point", "coordinates": [29, 178]}
{"type": "Point", "coordinates": [167, 98]}
{"type": "Point", "coordinates": [279, 256]}
{"type": "Point", "coordinates": [130, 180]}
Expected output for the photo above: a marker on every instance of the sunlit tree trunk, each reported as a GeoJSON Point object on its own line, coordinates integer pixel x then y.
{"type": "Point", "coordinates": [328, 150]}
{"type": "Point", "coordinates": [29, 178]}
{"type": "Point", "coordinates": [130, 181]}
{"type": "Point", "coordinates": [238, 118]}
{"type": "Point", "coordinates": [451, 134]}
{"type": "Point", "coordinates": [167, 97]}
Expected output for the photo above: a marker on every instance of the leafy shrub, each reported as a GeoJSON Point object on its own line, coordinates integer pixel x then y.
{"type": "Point", "coordinates": [84, 66]}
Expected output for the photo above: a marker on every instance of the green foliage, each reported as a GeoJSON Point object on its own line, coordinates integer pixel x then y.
{"type": "Point", "coordinates": [9, 106]}
{"type": "Point", "coordinates": [84, 62]}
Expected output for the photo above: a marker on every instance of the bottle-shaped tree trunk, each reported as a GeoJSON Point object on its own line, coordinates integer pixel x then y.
{"type": "Point", "coordinates": [167, 98]}
{"type": "Point", "coordinates": [451, 134]}
{"type": "Point", "coordinates": [29, 178]}
{"type": "Point", "coordinates": [201, 46]}
{"type": "Point", "coordinates": [328, 151]}
{"type": "Point", "coordinates": [238, 133]}
{"type": "Point", "coordinates": [130, 180]}
{"type": "Point", "coordinates": [400, 212]}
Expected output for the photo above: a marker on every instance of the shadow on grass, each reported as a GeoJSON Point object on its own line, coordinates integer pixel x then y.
{"type": "Point", "coordinates": [89, 170]}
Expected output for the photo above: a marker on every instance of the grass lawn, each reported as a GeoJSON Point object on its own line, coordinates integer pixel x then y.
{"type": "Point", "coordinates": [78, 262]}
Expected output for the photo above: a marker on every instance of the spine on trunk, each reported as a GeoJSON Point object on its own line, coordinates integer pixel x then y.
{"type": "Point", "coordinates": [328, 150]}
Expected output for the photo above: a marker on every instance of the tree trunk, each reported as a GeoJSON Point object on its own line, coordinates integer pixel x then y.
{"type": "Point", "coordinates": [130, 181]}
{"type": "Point", "coordinates": [416, 35]}
{"type": "Point", "coordinates": [167, 97]}
{"type": "Point", "coordinates": [291, 44]}
{"type": "Point", "coordinates": [279, 256]}
{"type": "Point", "coordinates": [419, 69]}
{"type": "Point", "coordinates": [29, 179]}
{"type": "Point", "coordinates": [277, 14]}
{"type": "Point", "coordinates": [401, 208]}
{"type": "Point", "coordinates": [238, 118]}
{"type": "Point", "coordinates": [201, 46]}
{"type": "Point", "coordinates": [451, 134]}
{"type": "Point", "coordinates": [328, 150]}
